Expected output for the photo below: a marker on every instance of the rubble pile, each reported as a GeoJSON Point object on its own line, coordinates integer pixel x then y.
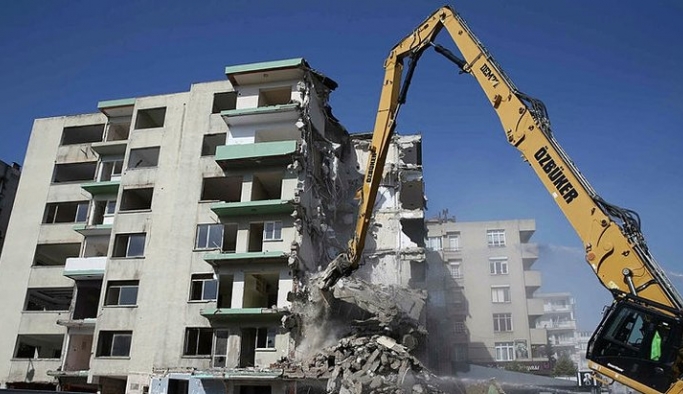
{"type": "Point", "coordinates": [367, 365]}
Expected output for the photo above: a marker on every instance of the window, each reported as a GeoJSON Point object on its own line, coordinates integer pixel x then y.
{"type": "Point", "coordinates": [66, 212]}
{"type": "Point", "coordinates": [203, 287]}
{"type": "Point", "coordinates": [114, 343]}
{"type": "Point", "coordinates": [274, 96]}
{"type": "Point", "coordinates": [453, 241]}
{"type": "Point", "coordinates": [198, 341]}
{"type": "Point", "coordinates": [210, 142]}
{"type": "Point", "coordinates": [143, 157]}
{"type": "Point", "coordinates": [224, 101]}
{"type": "Point", "coordinates": [150, 118]}
{"type": "Point", "coordinates": [55, 254]}
{"type": "Point", "coordinates": [39, 346]}
{"type": "Point", "coordinates": [505, 351]}
{"type": "Point", "coordinates": [500, 294]}
{"type": "Point", "coordinates": [49, 299]}
{"type": "Point", "coordinates": [102, 213]}
{"type": "Point", "coordinates": [220, 349]}
{"type": "Point", "coordinates": [434, 243]}
{"type": "Point", "coordinates": [265, 338]}
{"type": "Point", "coordinates": [495, 238]}
{"type": "Point", "coordinates": [272, 231]}
{"type": "Point", "coordinates": [129, 245]}
{"type": "Point", "coordinates": [82, 134]}
{"type": "Point", "coordinates": [110, 170]}
{"type": "Point", "coordinates": [461, 353]}
{"type": "Point", "coordinates": [228, 189]}
{"type": "Point", "coordinates": [136, 199]}
{"type": "Point", "coordinates": [498, 266]}
{"type": "Point", "coordinates": [455, 269]}
{"type": "Point", "coordinates": [122, 293]}
{"type": "Point", "coordinates": [74, 172]}
{"type": "Point", "coordinates": [502, 322]}
{"type": "Point", "coordinates": [209, 236]}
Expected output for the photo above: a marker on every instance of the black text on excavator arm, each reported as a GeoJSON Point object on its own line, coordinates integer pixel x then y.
{"type": "Point", "coordinates": [646, 309]}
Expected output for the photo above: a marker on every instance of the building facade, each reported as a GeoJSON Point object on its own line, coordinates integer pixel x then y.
{"type": "Point", "coordinates": [559, 321]}
{"type": "Point", "coordinates": [9, 180]}
{"type": "Point", "coordinates": [155, 244]}
{"type": "Point", "coordinates": [481, 288]}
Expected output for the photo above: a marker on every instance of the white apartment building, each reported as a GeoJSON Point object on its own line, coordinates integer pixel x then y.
{"type": "Point", "coordinates": [481, 286]}
{"type": "Point", "coordinates": [9, 180]}
{"type": "Point", "coordinates": [560, 323]}
{"type": "Point", "coordinates": [154, 244]}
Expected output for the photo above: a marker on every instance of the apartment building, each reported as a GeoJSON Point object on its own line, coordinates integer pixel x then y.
{"type": "Point", "coordinates": [155, 243]}
{"type": "Point", "coordinates": [560, 323]}
{"type": "Point", "coordinates": [9, 180]}
{"type": "Point", "coordinates": [482, 307]}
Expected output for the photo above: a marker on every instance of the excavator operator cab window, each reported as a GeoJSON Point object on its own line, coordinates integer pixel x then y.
{"type": "Point", "coordinates": [638, 343]}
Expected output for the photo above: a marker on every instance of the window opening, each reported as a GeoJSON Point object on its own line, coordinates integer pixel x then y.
{"type": "Point", "coordinates": [498, 266]}
{"type": "Point", "coordinates": [198, 341]}
{"type": "Point", "coordinates": [150, 118]}
{"type": "Point", "coordinates": [114, 343]}
{"type": "Point", "coordinates": [129, 245]}
{"type": "Point", "coordinates": [502, 322]}
{"type": "Point", "coordinates": [48, 299]}
{"type": "Point", "coordinates": [203, 287]}
{"type": "Point", "coordinates": [143, 157]}
{"type": "Point", "coordinates": [122, 293]}
{"type": "Point", "coordinates": [495, 238]}
{"type": "Point", "coordinates": [272, 231]}
{"type": "Point", "coordinates": [82, 134]}
{"type": "Point", "coordinates": [500, 294]}
{"type": "Point", "coordinates": [210, 142]}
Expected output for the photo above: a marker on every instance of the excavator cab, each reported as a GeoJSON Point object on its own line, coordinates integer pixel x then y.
{"type": "Point", "coordinates": [639, 342]}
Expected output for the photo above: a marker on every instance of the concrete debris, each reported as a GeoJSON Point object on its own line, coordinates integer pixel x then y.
{"type": "Point", "coordinates": [366, 365]}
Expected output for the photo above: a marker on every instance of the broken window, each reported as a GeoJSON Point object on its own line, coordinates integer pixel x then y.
{"type": "Point", "coordinates": [418, 271]}
{"type": "Point", "coordinates": [198, 341]}
{"type": "Point", "coordinates": [95, 245]}
{"type": "Point", "coordinates": [220, 349]}
{"type": "Point", "coordinates": [103, 212]}
{"type": "Point", "coordinates": [502, 322]}
{"type": "Point", "coordinates": [265, 338]}
{"type": "Point", "coordinates": [55, 254]}
{"type": "Point", "coordinates": [178, 386]}
{"type": "Point", "coordinates": [87, 299]}
{"type": "Point", "coordinates": [39, 346]}
{"type": "Point", "coordinates": [136, 199]}
{"type": "Point", "coordinates": [217, 236]}
{"type": "Point", "coordinates": [255, 237]}
{"type": "Point", "coordinates": [118, 128]}
{"type": "Point", "coordinates": [505, 351]}
{"type": "Point", "coordinates": [150, 118]}
{"type": "Point", "coordinates": [495, 238]}
{"type": "Point", "coordinates": [110, 170]}
{"type": "Point", "coordinates": [500, 294]}
{"type": "Point", "coordinates": [434, 243]}
{"type": "Point", "coordinates": [49, 299]}
{"type": "Point", "coordinates": [143, 157]}
{"type": "Point", "coordinates": [82, 134]}
{"type": "Point", "coordinates": [260, 290]}
{"type": "Point", "coordinates": [66, 212]}
{"type": "Point", "coordinates": [225, 283]}
{"type": "Point", "coordinates": [74, 172]}
{"type": "Point", "coordinates": [228, 189]}
{"type": "Point", "coordinates": [209, 236]}
{"type": "Point", "coordinates": [266, 186]}
{"type": "Point", "coordinates": [272, 231]}
{"type": "Point", "coordinates": [275, 96]}
{"type": "Point", "coordinates": [204, 287]}
{"type": "Point", "coordinates": [224, 101]}
{"type": "Point", "coordinates": [129, 245]}
{"type": "Point", "coordinates": [122, 293]}
{"type": "Point", "coordinates": [114, 343]}
{"type": "Point", "coordinates": [498, 266]}
{"type": "Point", "coordinates": [277, 134]}
{"type": "Point", "coordinates": [453, 242]}
{"type": "Point", "coordinates": [211, 142]}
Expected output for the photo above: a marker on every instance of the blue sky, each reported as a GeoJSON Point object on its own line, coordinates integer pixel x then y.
{"type": "Point", "coordinates": [608, 71]}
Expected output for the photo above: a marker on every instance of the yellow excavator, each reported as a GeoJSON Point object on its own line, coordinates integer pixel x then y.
{"type": "Point", "coordinates": [638, 342]}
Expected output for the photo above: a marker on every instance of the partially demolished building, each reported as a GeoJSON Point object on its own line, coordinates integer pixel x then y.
{"type": "Point", "coordinates": [158, 246]}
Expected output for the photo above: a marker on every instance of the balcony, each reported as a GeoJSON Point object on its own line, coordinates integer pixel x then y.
{"type": "Point", "coordinates": [88, 323]}
{"type": "Point", "coordinates": [260, 207]}
{"type": "Point", "coordinates": [538, 336]}
{"type": "Point", "coordinates": [256, 154]}
{"type": "Point", "coordinates": [534, 306]}
{"type": "Point", "coordinates": [532, 279]}
{"type": "Point", "coordinates": [101, 188]}
{"type": "Point", "coordinates": [85, 267]}
{"type": "Point", "coordinates": [529, 254]}
{"type": "Point", "coordinates": [239, 314]}
{"type": "Point", "coordinates": [92, 229]}
{"type": "Point", "coordinates": [267, 114]}
{"type": "Point", "coordinates": [261, 257]}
